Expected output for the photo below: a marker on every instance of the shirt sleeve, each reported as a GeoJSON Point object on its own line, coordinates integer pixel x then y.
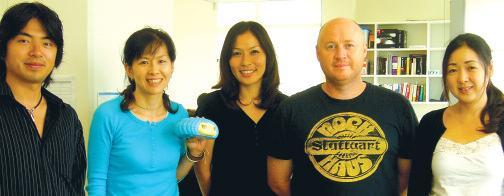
{"type": "Point", "coordinates": [277, 140]}
{"type": "Point", "coordinates": [100, 143]}
{"type": "Point", "coordinates": [408, 129]}
{"type": "Point", "coordinates": [184, 114]}
{"type": "Point", "coordinates": [202, 110]}
{"type": "Point", "coordinates": [420, 181]}
{"type": "Point", "coordinates": [79, 167]}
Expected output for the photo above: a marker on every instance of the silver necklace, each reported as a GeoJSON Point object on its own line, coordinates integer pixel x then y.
{"type": "Point", "coordinates": [151, 110]}
{"type": "Point", "coordinates": [152, 115]}
{"type": "Point", "coordinates": [32, 110]}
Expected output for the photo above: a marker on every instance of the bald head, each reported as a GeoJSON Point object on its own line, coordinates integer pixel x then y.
{"type": "Point", "coordinates": [341, 52]}
{"type": "Point", "coordinates": [341, 24]}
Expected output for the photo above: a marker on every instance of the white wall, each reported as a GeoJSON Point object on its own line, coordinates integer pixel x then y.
{"type": "Point", "coordinates": [3, 6]}
{"type": "Point", "coordinates": [196, 67]}
{"type": "Point", "coordinates": [191, 25]}
{"type": "Point", "coordinates": [338, 8]}
{"type": "Point", "coordinates": [110, 23]}
{"type": "Point", "coordinates": [488, 26]}
{"type": "Point", "coordinates": [401, 10]}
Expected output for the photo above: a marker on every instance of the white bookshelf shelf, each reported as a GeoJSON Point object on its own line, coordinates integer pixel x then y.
{"type": "Point", "coordinates": [427, 38]}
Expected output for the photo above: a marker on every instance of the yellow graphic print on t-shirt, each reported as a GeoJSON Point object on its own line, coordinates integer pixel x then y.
{"type": "Point", "coordinates": [346, 147]}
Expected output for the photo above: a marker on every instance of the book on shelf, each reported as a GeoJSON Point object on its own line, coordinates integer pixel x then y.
{"type": "Point", "coordinates": [367, 68]}
{"type": "Point", "coordinates": [371, 40]}
{"type": "Point", "coordinates": [420, 63]}
{"type": "Point", "coordinates": [391, 38]}
{"type": "Point", "coordinates": [403, 64]}
{"type": "Point", "coordinates": [402, 41]}
{"type": "Point", "coordinates": [394, 65]}
{"type": "Point", "coordinates": [365, 32]}
{"type": "Point", "coordinates": [382, 65]}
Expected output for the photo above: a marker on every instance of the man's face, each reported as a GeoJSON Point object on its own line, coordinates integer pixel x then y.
{"type": "Point", "coordinates": [31, 55]}
{"type": "Point", "coordinates": [341, 51]}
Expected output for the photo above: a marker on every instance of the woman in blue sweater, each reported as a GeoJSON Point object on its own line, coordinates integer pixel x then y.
{"type": "Point", "coordinates": [459, 149]}
{"type": "Point", "coordinates": [133, 149]}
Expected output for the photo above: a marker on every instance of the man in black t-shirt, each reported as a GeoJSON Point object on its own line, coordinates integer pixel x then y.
{"type": "Point", "coordinates": [344, 136]}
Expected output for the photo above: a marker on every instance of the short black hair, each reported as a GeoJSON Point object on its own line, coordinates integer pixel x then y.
{"type": "Point", "coordinates": [16, 18]}
{"type": "Point", "coordinates": [229, 84]}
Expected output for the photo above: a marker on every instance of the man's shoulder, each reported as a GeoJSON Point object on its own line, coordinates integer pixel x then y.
{"type": "Point", "coordinates": [53, 99]}
{"type": "Point", "coordinates": [305, 94]}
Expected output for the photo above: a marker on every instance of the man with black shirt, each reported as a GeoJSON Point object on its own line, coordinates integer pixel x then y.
{"type": "Point", "coordinates": [41, 139]}
{"type": "Point", "coordinates": [344, 136]}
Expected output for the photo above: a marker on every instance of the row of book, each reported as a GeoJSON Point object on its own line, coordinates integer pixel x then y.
{"type": "Point", "coordinates": [414, 64]}
{"type": "Point", "coordinates": [412, 92]}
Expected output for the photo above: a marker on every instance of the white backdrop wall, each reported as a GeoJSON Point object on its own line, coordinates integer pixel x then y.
{"type": "Point", "coordinates": [484, 18]}
{"type": "Point", "coordinates": [110, 23]}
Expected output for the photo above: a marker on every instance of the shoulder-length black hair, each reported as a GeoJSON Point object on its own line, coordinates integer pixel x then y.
{"type": "Point", "coordinates": [229, 85]}
{"type": "Point", "coordinates": [147, 40]}
{"type": "Point", "coordinates": [495, 105]}
{"type": "Point", "coordinates": [16, 18]}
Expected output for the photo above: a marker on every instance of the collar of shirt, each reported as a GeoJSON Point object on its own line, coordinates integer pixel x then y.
{"type": "Point", "coordinates": [51, 99]}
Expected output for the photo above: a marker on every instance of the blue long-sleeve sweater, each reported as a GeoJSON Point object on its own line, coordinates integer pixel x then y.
{"type": "Point", "coordinates": [128, 156]}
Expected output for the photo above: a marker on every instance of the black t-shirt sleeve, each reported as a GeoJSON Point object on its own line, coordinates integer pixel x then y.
{"type": "Point", "coordinates": [277, 140]}
{"type": "Point", "coordinates": [202, 101]}
{"type": "Point", "coordinates": [409, 125]}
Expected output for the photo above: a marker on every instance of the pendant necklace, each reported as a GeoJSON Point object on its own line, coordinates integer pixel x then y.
{"type": "Point", "coordinates": [152, 111]}
{"type": "Point", "coordinates": [252, 101]}
{"type": "Point", "coordinates": [32, 110]}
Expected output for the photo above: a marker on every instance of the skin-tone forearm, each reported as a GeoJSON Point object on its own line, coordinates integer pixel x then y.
{"type": "Point", "coordinates": [281, 189]}
{"type": "Point", "coordinates": [279, 175]}
{"type": "Point", "coordinates": [203, 177]}
{"type": "Point", "coordinates": [195, 148]}
{"type": "Point", "coordinates": [183, 168]}
{"type": "Point", "coordinates": [404, 166]}
{"type": "Point", "coordinates": [202, 169]}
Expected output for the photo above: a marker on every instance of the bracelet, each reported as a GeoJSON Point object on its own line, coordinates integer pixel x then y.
{"type": "Point", "coordinates": [193, 158]}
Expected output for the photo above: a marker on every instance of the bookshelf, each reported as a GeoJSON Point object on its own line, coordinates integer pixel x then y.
{"type": "Point", "coordinates": [419, 55]}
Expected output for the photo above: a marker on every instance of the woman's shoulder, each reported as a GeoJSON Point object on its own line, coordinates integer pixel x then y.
{"type": "Point", "coordinates": [434, 117]}
{"type": "Point", "coordinates": [211, 97]}
{"type": "Point", "coordinates": [281, 96]}
{"type": "Point", "coordinates": [178, 109]}
{"type": "Point", "coordinates": [110, 106]}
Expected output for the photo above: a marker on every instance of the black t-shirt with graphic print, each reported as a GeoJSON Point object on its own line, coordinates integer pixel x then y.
{"type": "Point", "coordinates": [343, 147]}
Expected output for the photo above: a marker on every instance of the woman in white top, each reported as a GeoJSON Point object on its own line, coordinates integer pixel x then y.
{"type": "Point", "coordinates": [459, 149]}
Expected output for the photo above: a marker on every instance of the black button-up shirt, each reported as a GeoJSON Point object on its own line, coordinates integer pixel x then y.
{"type": "Point", "coordinates": [30, 165]}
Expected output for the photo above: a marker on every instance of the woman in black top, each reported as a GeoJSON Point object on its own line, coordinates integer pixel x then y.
{"type": "Point", "coordinates": [248, 95]}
